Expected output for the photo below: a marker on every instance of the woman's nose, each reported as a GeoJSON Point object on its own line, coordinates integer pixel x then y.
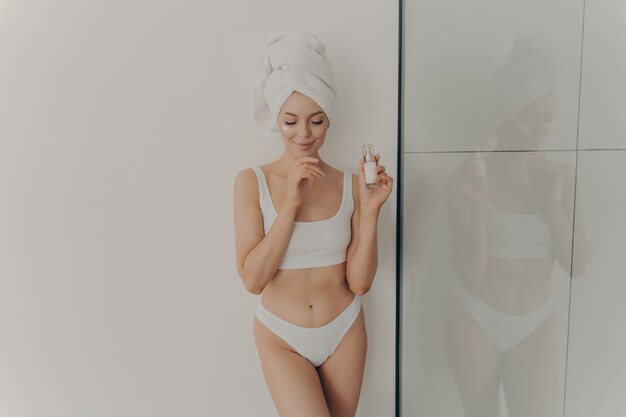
{"type": "Point", "coordinates": [304, 129]}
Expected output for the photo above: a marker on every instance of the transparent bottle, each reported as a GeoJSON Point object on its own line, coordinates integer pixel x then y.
{"type": "Point", "coordinates": [369, 166]}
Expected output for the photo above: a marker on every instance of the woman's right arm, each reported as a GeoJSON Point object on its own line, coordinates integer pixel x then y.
{"type": "Point", "coordinates": [468, 231]}
{"type": "Point", "coordinates": [258, 255]}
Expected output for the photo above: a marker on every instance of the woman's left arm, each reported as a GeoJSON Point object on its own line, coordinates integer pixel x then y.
{"type": "Point", "coordinates": [362, 255]}
{"type": "Point", "coordinates": [545, 175]}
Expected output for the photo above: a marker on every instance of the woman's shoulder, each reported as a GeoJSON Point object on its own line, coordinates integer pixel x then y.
{"type": "Point", "coordinates": [268, 168]}
{"type": "Point", "coordinates": [246, 181]}
{"type": "Point", "coordinates": [245, 173]}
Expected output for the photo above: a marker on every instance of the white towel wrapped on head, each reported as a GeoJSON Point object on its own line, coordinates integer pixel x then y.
{"type": "Point", "coordinates": [294, 61]}
{"type": "Point", "coordinates": [530, 71]}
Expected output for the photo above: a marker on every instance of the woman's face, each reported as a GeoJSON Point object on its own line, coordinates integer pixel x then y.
{"type": "Point", "coordinates": [529, 128]}
{"type": "Point", "coordinates": [302, 125]}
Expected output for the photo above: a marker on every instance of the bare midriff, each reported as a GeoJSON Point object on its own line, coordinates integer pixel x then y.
{"type": "Point", "coordinates": [515, 286]}
{"type": "Point", "coordinates": [308, 297]}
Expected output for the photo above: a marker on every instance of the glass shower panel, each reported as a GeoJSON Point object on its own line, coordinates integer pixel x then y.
{"type": "Point", "coordinates": [490, 101]}
{"type": "Point", "coordinates": [603, 91]}
{"type": "Point", "coordinates": [596, 371]}
{"type": "Point", "coordinates": [486, 282]}
{"type": "Point", "coordinates": [470, 65]}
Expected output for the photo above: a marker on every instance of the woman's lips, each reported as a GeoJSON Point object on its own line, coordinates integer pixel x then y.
{"type": "Point", "coordinates": [304, 146]}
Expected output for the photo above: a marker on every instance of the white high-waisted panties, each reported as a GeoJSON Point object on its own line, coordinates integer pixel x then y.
{"type": "Point", "coordinates": [313, 343]}
{"type": "Point", "coordinates": [505, 331]}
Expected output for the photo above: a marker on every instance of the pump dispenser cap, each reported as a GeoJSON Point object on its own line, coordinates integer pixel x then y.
{"type": "Point", "coordinates": [368, 153]}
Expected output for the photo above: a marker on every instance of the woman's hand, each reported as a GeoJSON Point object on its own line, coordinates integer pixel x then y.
{"type": "Point", "coordinates": [472, 181]}
{"type": "Point", "coordinates": [543, 176]}
{"type": "Point", "coordinates": [373, 198]}
{"type": "Point", "coordinates": [299, 174]}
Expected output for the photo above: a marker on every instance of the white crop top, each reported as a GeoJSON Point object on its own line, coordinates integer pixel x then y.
{"type": "Point", "coordinates": [511, 235]}
{"type": "Point", "coordinates": [317, 243]}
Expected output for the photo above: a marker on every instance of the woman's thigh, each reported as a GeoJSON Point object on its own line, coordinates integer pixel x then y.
{"type": "Point", "coordinates": [292, 380]}
{"type": "Point", "coordinates": [342, 373]}
{"type": "Point", "coordinates": [530, 373]}
{"type": "Point", "coordinates": [474, 362]}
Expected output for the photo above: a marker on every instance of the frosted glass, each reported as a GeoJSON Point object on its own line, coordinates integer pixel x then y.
{"type": "Point", "coordinates": [495, 229]}
{"type": "Point", "coordinates": [603, 89]}
{"type": "Point", "coordinates": [596, 371]}
{"type": "Point", "coordinates": [470, 66]}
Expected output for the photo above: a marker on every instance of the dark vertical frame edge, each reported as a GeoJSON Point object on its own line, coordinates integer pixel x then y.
{"type": "Point", "coordinates": [399, 164]}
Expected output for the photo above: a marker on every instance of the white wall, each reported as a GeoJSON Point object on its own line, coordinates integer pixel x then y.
{"type": "Point", "coordinates": [123, 126]}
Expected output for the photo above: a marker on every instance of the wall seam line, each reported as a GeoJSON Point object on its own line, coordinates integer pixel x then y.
{"type": "Point", "coordinates": [571, 268]}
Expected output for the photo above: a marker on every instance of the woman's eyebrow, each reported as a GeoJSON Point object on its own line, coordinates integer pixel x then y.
{"type": "Point", "coordinates": [291, 114]}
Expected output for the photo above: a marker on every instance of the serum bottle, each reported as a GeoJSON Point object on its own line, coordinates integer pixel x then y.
{"type": "Point", "coordinates": [369, 166]}
{"type": "Point", "coordinates": [480, 163]}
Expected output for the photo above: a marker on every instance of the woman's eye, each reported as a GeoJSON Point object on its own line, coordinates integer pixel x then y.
{"type": "Point", "coordinates": [318, 123]}
{"type": "Point", "coordinates": [290, 123]}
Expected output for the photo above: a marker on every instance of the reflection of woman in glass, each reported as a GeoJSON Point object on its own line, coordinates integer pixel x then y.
{"type": "Point", "coordinates": [306, 239]}
{"type": "Point", "coordinates": [511, 220]}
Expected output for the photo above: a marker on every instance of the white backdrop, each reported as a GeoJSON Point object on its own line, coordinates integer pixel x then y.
{"type": "Point", "coordinates": [123, 125]}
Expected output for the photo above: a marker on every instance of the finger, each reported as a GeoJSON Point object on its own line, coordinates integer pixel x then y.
{"type": "Point", "coordinates": [380, 168]}
{"type": "Point", "coordinates": [319, 170]}
{"type": "Point", "coordinates": [384, 180]}
{"type": "Point", "coordinates": [313, 171]}
{"type": "Point", "coordinates": [307, 172]}
{"type": "Point", "coordinates": [361, 173]}
{"type": "Point", "coordinates": [305, 159]}
{"type": "Point", "coordinates": [388, 181]}
{"type": "Point", "coordinates": [541, 166]}
{"type": "Point", "coordinates": [308, 165]}
{"type": "Point", "coordinates": [308, 176]}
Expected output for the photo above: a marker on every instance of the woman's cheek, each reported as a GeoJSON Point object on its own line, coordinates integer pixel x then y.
{"type": "Point", "coordinates": [321, 128]}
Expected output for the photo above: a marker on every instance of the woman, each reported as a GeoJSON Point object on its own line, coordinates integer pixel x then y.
{"type": "Point", "coordinates": [306, 239]}
{"type": "Point", "coordinates": [511, 217]}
